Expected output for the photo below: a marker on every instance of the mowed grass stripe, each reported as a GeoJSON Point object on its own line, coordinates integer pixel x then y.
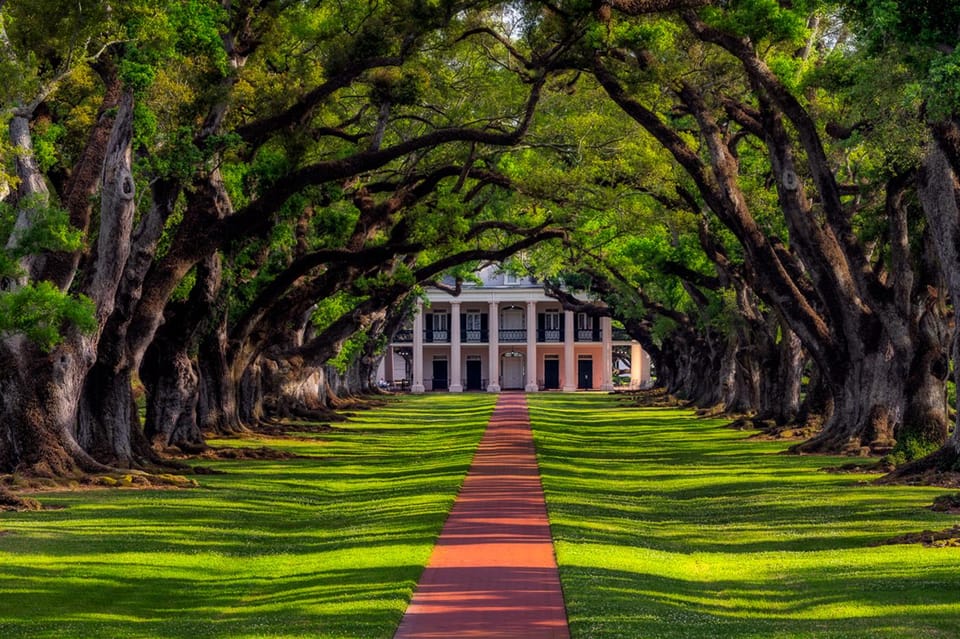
{"type": "Point", "coordinates": [330, 546]}
{"type": "Point", "coordinates": [669, 526]}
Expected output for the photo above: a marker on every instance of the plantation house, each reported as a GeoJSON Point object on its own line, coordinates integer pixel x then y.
{"type": "Point", "coordinates": [507, 334]}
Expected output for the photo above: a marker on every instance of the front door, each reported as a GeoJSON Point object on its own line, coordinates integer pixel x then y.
{"type": "Point", "coordinates": [474, 375]}
{"type": "Point", "coordinates": [512, 372]}
{"type": "Point", "coordinates": [585, 373]}
{"type": "Point", "coordinates": [551, 373]}
{"type": "Point", "coordinates": [439, 374]}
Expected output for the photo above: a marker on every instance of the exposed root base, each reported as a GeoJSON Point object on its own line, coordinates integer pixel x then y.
{"type": "Point", "coordinates": [11, 502]}
{"type": "Point", "coordinates": [833, 446]}
{"type": "Point", "coordinates": [937, 469]}
{"type": "Point", "coordinates": [33, 485]}
{"type": "Point", "coordinates": [710, 411]}
{"type": "Point", "coordinates": [263, 453]}
{"type": "Point", "coordinates": [929, 538]}
{"type": "Point", "coordinates": [769, 430]}
{"type": "Point", "coordinates": [649, 398]}
{"type": "Point", "coordinates": [947, 504]}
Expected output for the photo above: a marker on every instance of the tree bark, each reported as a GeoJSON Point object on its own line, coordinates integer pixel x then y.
{"type": "Point", "coordinates": [939, 190]}
{"type": "Point", "coordinates": [42, 425]}
{"type": "Point", "coordinates": [218, 404]}
{"type": "Point", "coordinates": [169, 369]}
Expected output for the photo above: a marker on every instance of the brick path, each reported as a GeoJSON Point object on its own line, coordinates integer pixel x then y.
{"type": "Point", "coordinates": [493, 573]}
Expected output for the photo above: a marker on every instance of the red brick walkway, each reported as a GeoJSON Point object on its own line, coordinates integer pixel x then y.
{"type": "Point", "coordinates": [493, 573]}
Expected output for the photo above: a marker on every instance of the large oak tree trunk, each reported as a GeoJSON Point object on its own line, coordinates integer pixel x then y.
{"type": "Point", "coordinates": [38, 402]}
{"type": "Point", "coordinates": [782, 380]}
{"type": "Point", "coordinates": [868, 400]}
{"type": "Point", "coordinates": [169, 369]}
{"type": "Point", "coordinates": [939, 189]}
{"type": "Point", "coordinates": [218, 403]}
{"type": "Point", "coordinates": [44, 390]}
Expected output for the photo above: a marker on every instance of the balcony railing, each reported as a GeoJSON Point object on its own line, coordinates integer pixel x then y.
{"type": "Point", "coordinates": [550, 335]}
{"type": "Point", "coordinates": [587, 334]}
{"type": "Point", "coordinates": [471, 336]}
{"type": "Point", "coordinates": [513, 334]}
{"type": "Point", "coordinates": [510, 335]}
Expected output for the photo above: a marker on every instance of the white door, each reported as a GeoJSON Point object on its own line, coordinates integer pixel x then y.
{"type": "Point", "coordinates": [511, 371]}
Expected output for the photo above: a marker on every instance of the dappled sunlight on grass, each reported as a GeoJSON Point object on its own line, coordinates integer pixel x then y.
{"type": "Point", "coordinates": [330, 545]}
{"type": "Point", "coordinates": [670, 526]}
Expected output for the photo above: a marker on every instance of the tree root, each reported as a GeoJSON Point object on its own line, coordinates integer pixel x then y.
{"type": "Point", "coordinates": [11, 502]}
{"type": "Point", "coordinates": [769, 430]}
{"type": "Point", "coordinates": [941, 468]}
{"type": "Point", "coordinates": [261, 453]}
{"type": "Point", "coordinates": [929, 538]}
{"type": "Point", "coordinates": [649, 398]}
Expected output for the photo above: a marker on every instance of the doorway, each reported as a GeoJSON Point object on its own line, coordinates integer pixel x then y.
{"type": "Point", "coordinates": [511, 371]}
{"type": "Point", "coordinates": [440, 375]}
{"type": "Point", "coordinates": [551, 374]}
{"type": "Point", "coordinates": [585, 373]}
{"type": "Point", "coordinates": [474, 375]}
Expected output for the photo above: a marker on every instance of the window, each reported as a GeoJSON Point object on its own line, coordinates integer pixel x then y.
{"type": "Point", "coordinates": [441, 326]}
{"type": "Point", "coordinates": [551, 320]}
{"type": "Point", "coordinates": [473, 322]}
{"type": "Point", "coordinates": [509, 278]}
{"type": "Point", "coordinates": [584, 322]}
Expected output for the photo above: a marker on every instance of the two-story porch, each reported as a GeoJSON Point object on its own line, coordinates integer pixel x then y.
{"type": "Point", "coordinates": [498, 340]}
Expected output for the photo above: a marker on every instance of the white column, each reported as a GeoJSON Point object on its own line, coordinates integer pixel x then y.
{"type": "Point", "coordinates": [606, 354]}
{"type": "Point", "coordinates": [493, 367]}
{"type": "Point", "coordinates": [456, 377]}
{"type": "Point", "coordinates": [645, 379]}
{"type": "Point", "coordinates": [388, 374]}
{"type": "Point", "coordinates": [417, 386]}
{"type": "Point", "coordinates": [636, 365]}
{"type": "Point", "coordinates": [531, 348]}
{"type": "Point", "coordinates": [569, 363]}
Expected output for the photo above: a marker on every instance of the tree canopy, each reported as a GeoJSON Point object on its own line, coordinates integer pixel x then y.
{"type": "Point", "coordinates": [232, 206]}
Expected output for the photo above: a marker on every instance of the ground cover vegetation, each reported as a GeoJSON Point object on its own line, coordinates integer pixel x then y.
{"type": "Point", "coordinates": [670, 526]}
{"type": "Point", "coordinates": [215, 214]}
{"type": "Point", "coordinates": [328, 544]}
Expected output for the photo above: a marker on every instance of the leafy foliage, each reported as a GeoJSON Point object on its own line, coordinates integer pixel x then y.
{"type": "Point", "coordinates": [42, 312]}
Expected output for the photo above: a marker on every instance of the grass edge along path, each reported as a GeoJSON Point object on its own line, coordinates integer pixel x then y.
{"type": "Point", "coordinates": [328, 546]}
{"type": "Point", "coordinates": [668, 526]}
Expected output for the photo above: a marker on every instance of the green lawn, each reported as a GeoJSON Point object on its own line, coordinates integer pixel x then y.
{"type": "Point", "coordinates": [666, 526]}
{"type": "Point", "coordinates": [671, 527]}
{"type": "Point", "coordinates": [330, 546]}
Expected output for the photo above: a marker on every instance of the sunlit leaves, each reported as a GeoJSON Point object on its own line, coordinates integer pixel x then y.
{"type": "Point", "coordinates": [50, 229]}
{"type": "Point", "coordinates": [42, 312]}
{"type": "Point", "coordinates": [764, 19]}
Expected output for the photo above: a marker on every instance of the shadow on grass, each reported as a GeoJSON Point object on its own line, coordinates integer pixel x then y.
{"type": "Point", "coordinates": [672, 526]}
{"type": "Point", "coordinates": [330, 546]}
{"type": "Point", "coordinates": [807, 604]}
